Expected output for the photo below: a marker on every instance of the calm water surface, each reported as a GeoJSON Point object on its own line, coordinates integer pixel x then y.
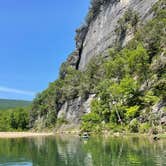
{"type": "Point", "coordinates": [72, 151]}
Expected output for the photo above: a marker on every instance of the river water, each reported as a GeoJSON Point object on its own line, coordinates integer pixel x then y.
{"type": "Point", "coordinates": [73, 151]}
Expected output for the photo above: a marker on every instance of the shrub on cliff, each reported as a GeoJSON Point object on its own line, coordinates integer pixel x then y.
{"type": "Point", "coordinates": [95, 8]}
{"type": "Point", "coordinates": [125, 83]}
{"type": "Point", "coordinates": [134, 126]}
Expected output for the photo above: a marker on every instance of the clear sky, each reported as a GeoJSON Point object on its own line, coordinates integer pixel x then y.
{"type": "Point", "coordinates": [36, 36]}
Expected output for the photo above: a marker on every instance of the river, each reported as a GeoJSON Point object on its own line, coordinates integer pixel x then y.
{"type": "Point", "coordinates": [73, 151]}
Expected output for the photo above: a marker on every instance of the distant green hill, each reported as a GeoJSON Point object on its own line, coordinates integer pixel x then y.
{"type": "Point", "coordinates": [7, 104]}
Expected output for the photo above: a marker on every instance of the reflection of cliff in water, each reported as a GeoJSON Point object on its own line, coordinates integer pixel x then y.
{"type": "Point", "coordinates": [60, 150]}
{"type": "Point", "coordinates": [73, 151]}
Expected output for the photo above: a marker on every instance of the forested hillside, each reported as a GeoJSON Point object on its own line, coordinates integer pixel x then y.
{"type": "Point", "coordinates": [7, 104]}
{"type": "Point", "coordinates": [14, 115]}
{"type": "Point", "coordinates": [129, 83]}
{"type": "Point", "coordinates": [15, 119]}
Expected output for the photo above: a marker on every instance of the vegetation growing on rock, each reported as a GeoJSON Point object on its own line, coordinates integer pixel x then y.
{"type": "Point", "coordinates": [127, 84]}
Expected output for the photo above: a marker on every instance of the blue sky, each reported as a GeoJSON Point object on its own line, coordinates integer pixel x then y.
{"type": "Point", "coordinates": [36, 36]}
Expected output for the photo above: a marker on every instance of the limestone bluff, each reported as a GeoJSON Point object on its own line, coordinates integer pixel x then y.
{"type": "Point", "coordinates": [99, 33]}
{"type": "Point", "coordinates": [95, 38]}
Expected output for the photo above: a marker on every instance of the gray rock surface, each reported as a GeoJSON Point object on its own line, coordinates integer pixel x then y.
{"type": "Point", "coordinates": [101, 32]}
{"type": "Point", "coordinates": [158, 111]}
{"type": "Point", "coordinates": [94, 39]}
{"type": "Point", "coordinates": [73, 59]}
{"type": "Point", "coordinates": [73, 110]}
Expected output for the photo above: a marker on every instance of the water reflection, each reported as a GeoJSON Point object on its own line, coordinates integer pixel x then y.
{"type": "Point", "coordinates": [72, 151]}
{"type": "Point", "coordinates": [16, 164]}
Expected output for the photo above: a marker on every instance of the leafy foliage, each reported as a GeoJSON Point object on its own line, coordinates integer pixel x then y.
{"type": "Point", "coordinates": [14, 119]}
{"type": "Point", "coordinates": [132, 112]}
{"type": "Point", "coordinates": [126, 88]}
{"type": "Point", "coordinates": [91, 122]}
{"type": "Point", "coordinates": [127, 23]}
{"type": "Point", "coordinates": [134, 126]}
{"type": "Point", "coordinates": [125, 83]}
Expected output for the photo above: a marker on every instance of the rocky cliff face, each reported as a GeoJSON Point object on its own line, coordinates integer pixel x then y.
{"type": "Point", "coordinates": [100, 34]}
{"type": "Point", "coordinates": [94, 39]}
{"type": "Point", "coordinates": [108, 26]}
{"type": "Point", "coordinates": [73, 110]}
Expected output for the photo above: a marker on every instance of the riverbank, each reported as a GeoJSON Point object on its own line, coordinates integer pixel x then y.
{"type": "Point", "coordinates": [75, 133]}
{"type": "Point", "coordinates": [23, 134]}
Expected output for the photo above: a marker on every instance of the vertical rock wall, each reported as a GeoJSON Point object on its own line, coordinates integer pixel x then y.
{"type": "Point", "coordinates": [101, 32]}
{"type": "Point", "coordinates": [94, 39]}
